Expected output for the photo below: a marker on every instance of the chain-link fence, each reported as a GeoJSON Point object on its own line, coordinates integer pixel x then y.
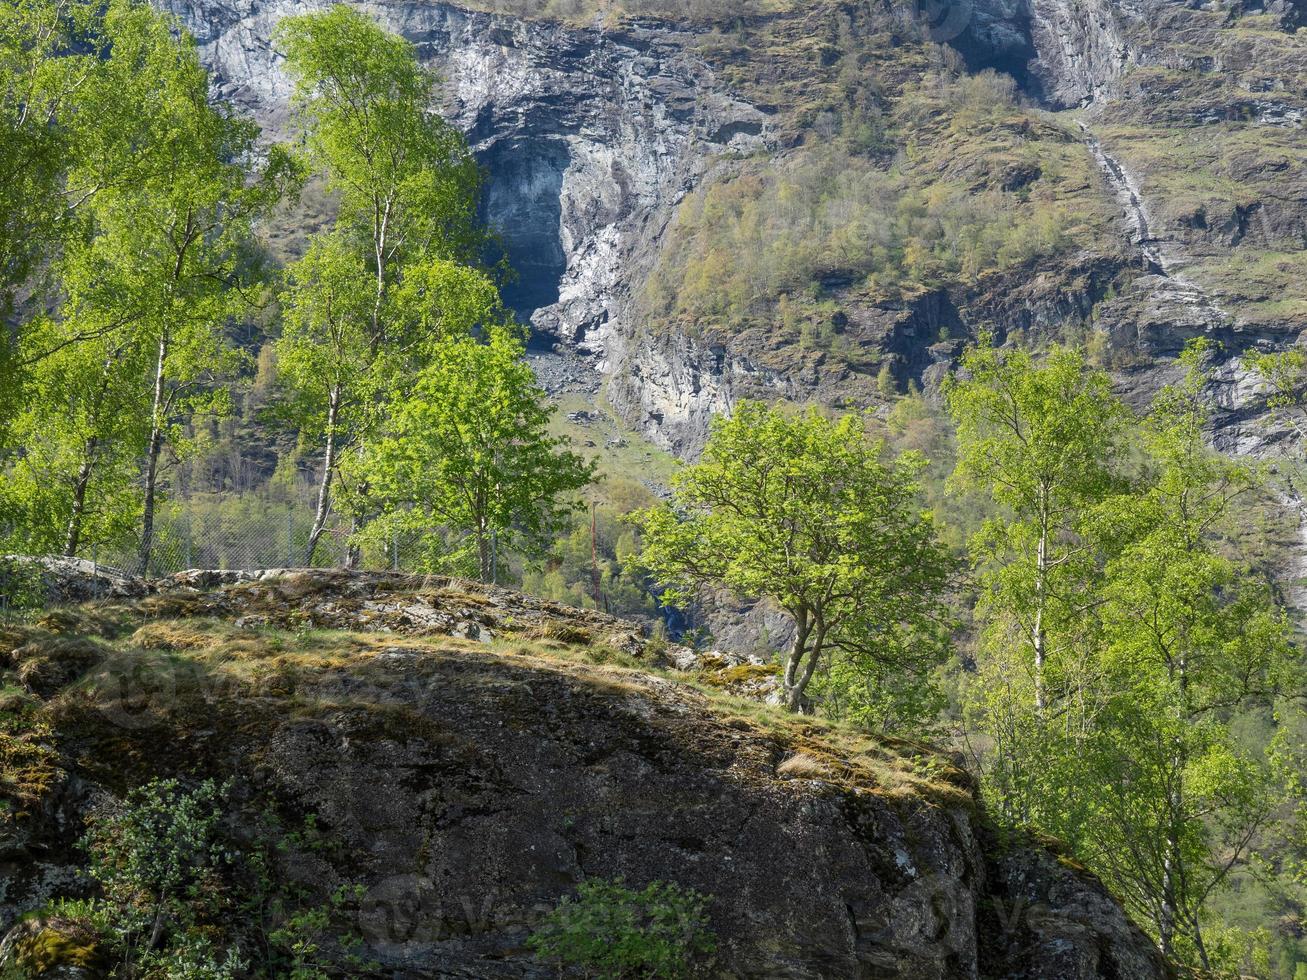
{"type": "Point", "coordinates": [236, 532]}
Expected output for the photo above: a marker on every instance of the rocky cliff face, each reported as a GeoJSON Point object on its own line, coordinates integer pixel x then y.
{"type": "Point", "coordinates": [592, 137]}
{"type": "Point", "coordinates": [589, 138]}
{"type": "Point", "coordinates": [469, 759]}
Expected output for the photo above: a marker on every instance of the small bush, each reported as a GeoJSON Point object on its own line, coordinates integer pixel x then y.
{"type": "Point", "coordinates": [21, 586]}
{"type": "Point", "coordinates": [610, 931]}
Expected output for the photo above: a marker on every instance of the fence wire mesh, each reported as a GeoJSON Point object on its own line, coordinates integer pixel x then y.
{"type": "Point", "coordinates": [236, 533]}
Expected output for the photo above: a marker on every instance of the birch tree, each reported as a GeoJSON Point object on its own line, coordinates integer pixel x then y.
{"type": "Point", "coordinates": [164, 191]}
{"type": "Point", "coordinates": [406, 189]}
{"type": "Point", "coordinates": [1191, 638]}
{"type": "Point", "coordinates": [1039, 438]}
{"type": "Point", "coordinates": [805, 511]}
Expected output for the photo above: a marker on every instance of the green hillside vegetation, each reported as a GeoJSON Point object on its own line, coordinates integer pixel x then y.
{"type": "Point", "coordinates": [898, 174]}
{"type": "Point", "coordinates": [1085, 599]}
{"type": "Point", "coordinates": [982, 186]}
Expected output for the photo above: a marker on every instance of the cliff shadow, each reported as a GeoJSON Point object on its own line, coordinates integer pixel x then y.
{"type": "Point", "coordinates": [522, 203]}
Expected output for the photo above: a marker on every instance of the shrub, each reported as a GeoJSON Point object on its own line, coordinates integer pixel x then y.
{"type": "Point", "coordinates": [609, 930]}
{"type": "Point", "coordinates": [21, 585]}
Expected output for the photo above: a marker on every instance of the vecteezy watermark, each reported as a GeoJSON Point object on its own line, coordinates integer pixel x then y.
{"type": "Point", "coordinates": [932, 920]}
{"type": "Point", "coordinates": [923, 922]}
{"type": "Point", "coordinates": [132, 692]}
{"type": "Point", "coordinates": [400, 914]}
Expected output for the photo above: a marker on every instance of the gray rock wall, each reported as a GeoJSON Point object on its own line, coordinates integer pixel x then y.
{"type": "Point", "coordinates": [589, 138]}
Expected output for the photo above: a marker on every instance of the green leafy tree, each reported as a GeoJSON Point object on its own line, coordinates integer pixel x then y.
{"type": "Point", "coordinates": [1190, 637]}
{"type": "Point", "coordinates": [48, 50]}
{"type": "Point", "coordinates": [805, 511]}
{"type": "Point", "coordinates": [45, 58]}
{"type": "Point", "coordinates": [1285, 376]}
{"type": "Point", "coordinates": [158, 859]}
{"type": "Point", "coordinates": [175, 194]}
{"type": "Point", "coordinates": [326, 361]}
{"type": "Point", "coordinates": [73, 486]}
{"type": "Point", "coordinates": [610, 930]}
{"type": "Point", "coordinates": [468, 451]}
{"type": "Point", "coordinates": [1039, 438]}
{"type": "Point", "coordinates": [406, 186]}
{"type": "Point", "coordinates": [167, 193]}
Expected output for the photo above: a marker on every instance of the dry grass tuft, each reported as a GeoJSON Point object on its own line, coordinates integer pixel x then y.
{"type": "Point", "coordinates": [174, 635]}
{"type": "Point", "coordinates": [562, 633]}
{"type": "Point", "coordinates": [802, 766]}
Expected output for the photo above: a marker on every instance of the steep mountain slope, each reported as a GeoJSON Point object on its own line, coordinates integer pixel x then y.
{"type": "Point", "coordinates": [466, 756]}
{"type": "Point", "coordinates": [1170, 205]}
{"type": "Point", "coordinates": [1195, 115]}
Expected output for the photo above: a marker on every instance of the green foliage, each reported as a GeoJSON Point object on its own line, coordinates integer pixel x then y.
{"type": "Point", "coordinates": [182, 896]}
{"type": "Point", "coordinates": [41, 70]}
{"type": "Point", "coordinates": [158, 860]}
{"type": "Point", "coordinates": [804, 511]}
{"type": "Point", "coordinates": [1284, 374]}
{"type": "Point", "coordinates": [467, 451]}
{"type": "Point", "coordinates": [941, 212]}
{"type": "Point", "coordinates": [1039, 442]}
{"type": "Point", "coordinates": [1187, 635]}
{"type": "Point", "coordinates": [609, 930]}
{"type": "Point", "coordinates": [164, 190]}
{"type": "Point", "coordinates": [371, 296]}
{"type": "Point", "coordinates": [1120, 637]}
{"type": "Point", "coordinates": [405, 178]}
{"type": "Point", "coordinates": [21, 585]}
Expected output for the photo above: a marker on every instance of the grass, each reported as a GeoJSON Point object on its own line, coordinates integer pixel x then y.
{"type": "Point", "coordinates": [1263, 286]}
{"type": "Point", "coordinates": [1183, 170]}
{"type": "Point", "coordinates": [618, 451]}
{"type": "Point", "coordinates": [188, 676]}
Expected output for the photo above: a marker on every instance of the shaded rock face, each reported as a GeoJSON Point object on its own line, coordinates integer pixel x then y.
{"type": "Point", "coordinates": [589, 138]}
{"type": "Point", "coordinates": [1069, 53]}
{"type": "Point", "coordinates": [468, 791]}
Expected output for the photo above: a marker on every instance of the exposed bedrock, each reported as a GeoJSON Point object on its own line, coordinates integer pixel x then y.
{"type": "Point", "coordinates": [592, 137]}
{"type": "Point", "coordinates": [589, 138]}
{"type": "Point", "coordinates": [466, 791]}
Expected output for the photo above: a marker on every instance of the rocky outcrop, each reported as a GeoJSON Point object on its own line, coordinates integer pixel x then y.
{"type": "Point", "coordinates": [1081, 49]}
{"type": "Point", "coordinates": [467, 788]}
{"type": "Point", "coordinates": [589, 137]}
{"type": "Point", "coordinates": [1067, 53]}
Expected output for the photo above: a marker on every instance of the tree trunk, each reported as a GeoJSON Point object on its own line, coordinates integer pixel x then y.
{"type": "Point", "coordinates": [1175, 802]}
{"type": "Point", "coordinates": [328, 471]}
{"type": "Point", "coordinates": [1037, 638]}
{"type": "Point", "coordinates": [803, 658]}
{"type": "Point", "coordinates": [73, 536]}
{"type": "Point", "coordinates": [153, 450]}
{"type": "Point", "coordinates": [810, 667]}
{"type": "Point", "coordinates": [1166, 920]}
{"type": "Point", "coordinates": [791, 692]}
{"type": "Point", "coordinates": [484, 556]}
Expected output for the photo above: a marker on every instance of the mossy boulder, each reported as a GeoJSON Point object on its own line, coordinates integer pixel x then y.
{"type": "Point", "coordinates": [52, 949]}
